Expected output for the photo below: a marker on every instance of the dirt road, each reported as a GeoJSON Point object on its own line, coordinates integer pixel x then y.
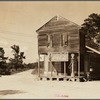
{"type": "Point", "coordinates": [25, 86]}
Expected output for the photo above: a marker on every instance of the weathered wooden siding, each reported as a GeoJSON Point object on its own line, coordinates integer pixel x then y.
{"type": "Point", "coordinates": [68, 42]}
{"type": "Point", "coordinates": [62, 36]}
{"type": "Point", "coordinates": [59, 35]}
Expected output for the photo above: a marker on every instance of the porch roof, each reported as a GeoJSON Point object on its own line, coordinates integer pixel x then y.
{"type": "Point", "coordinates": [92, 49]}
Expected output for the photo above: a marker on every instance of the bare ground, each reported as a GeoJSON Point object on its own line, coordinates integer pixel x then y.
{"type": "Point", "coordinates": [25, 85]}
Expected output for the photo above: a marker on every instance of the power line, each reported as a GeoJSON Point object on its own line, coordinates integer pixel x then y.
{"type": "Point", "coordinates": [15, 33]}
{"type": "Point", "coordinates": [17, 40]}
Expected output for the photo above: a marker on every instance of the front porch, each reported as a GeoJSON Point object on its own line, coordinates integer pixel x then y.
{"type": "Point", "coordinates": [61, 69]}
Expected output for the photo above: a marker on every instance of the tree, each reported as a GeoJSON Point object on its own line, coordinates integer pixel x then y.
{"type": "Point", "coordinates": [91, 29]}
{"type": "Point", "coordinates": [17, 61]}
{"type": "Point", "coordinates": [3, 65]}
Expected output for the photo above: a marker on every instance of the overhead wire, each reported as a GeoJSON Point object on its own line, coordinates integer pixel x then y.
{"type": "Point", "coordinates": [16, 40]}
{"type": "Point", "coordinates": [15, 33]}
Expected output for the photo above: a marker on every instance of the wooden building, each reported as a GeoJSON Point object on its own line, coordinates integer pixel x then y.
{"type": "Point", "coordinates": [92, 63]}
{"type": "Point", "coordinates": [63, 49]}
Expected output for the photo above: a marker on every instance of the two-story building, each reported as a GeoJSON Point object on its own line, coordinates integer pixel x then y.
{"type": "Point", "coordinates": [63, 48]}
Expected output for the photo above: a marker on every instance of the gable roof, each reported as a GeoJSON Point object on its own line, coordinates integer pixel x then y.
{"type": "Point", "coordinates": [57, 21]}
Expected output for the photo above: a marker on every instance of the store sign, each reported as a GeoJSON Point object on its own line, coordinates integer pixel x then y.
{"type": "Point", "coordinates": [57, 56]}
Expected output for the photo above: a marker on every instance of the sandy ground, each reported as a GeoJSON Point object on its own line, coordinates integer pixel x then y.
{"type": "Point", "coordinates": [25, 86]}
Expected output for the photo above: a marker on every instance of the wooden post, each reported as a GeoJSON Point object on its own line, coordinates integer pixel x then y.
{"type": "Point", "coordinates": [38, 65]}
{"type": "Point", "coordinates": [51, 68]}
{"type": "Point", "coordinates": [79, 67]}
{"type": "Point", "coordinates": [65, 69]}
{"type": "Point", "coordinates": [44, 65]}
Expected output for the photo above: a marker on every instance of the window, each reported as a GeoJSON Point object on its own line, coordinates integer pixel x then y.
{"type": "Point", "coordinates": [65, 39]}
{"type": "Point", "coordinates": [60, 40]}
{"type": "Point", "coordinates": [56, 40]}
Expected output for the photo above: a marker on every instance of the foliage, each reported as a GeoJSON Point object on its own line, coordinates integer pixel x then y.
{"type": "Point", "coordinates": [91, 29]}
{"type": "Point", "coordinates": [2, 52]}
{"type": "Point", "coordinates": [17, 61]}
{"type": "Point", "coordinates": [15, 64]}
{"type": "Point", "coordinates": [3, 65]}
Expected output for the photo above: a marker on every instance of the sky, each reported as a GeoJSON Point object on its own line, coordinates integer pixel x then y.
{"type": "Point", "coordinates": [19, 21]}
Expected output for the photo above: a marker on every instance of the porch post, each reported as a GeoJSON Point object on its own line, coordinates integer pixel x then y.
{"type": "Point", "coordinates": [65, 69]}
{"type": "Point", "coordinates": [51, 68]}
{"type": "Point", "coordinates": [38, 65]}
{"type": "Point", "coordinates": [79, 67]}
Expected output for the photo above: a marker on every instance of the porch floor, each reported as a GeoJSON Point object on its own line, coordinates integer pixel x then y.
{"type": "Point", "coordinates": [61, 77]}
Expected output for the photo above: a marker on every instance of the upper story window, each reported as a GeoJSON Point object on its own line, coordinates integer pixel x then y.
{"type": "Point", "coordinates": [56, 40]}
{"type": "Point", "coordinates": [59, 40]}
{"type": "Point", "coordinates": [53, 40]}
{"type": "Point", "coordinates": [65, 39]}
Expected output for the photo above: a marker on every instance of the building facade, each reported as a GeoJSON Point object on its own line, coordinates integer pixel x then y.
{"type": "Point", "coordinates": [63, 49]}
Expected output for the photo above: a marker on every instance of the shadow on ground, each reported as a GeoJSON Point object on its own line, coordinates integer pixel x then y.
{"type": "Point", "coordinates": [7, 92]}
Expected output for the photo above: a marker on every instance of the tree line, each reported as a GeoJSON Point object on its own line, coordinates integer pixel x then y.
{"type": "Point", "coordinates": [91, 29]}
{"type": "Point", "coordinates": [15, 64]}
